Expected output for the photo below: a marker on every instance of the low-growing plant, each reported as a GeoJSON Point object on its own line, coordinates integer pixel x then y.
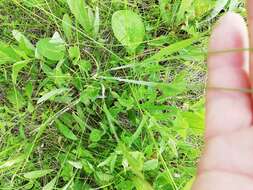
{"type": "Point", "coordinates": [103, 94]}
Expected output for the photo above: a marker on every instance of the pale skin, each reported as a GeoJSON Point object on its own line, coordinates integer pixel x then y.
{"type": "Point", "coordinates": [227, 160]}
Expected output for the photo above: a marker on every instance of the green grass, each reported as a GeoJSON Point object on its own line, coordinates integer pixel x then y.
{"type": "Point", "coordinates": [108, 107]}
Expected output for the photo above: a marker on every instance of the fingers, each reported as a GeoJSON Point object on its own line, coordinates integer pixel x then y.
{"type": "Point", "coordinates": [222, 181]}
{"type": "Point", "coordinates": [227, 110]}
{"type": "Point", "coordinates": [230, 153]}
{"type": "Point", "coordinates": [226, 162]}
{"type": "Point", "coordinates": [250, 21]}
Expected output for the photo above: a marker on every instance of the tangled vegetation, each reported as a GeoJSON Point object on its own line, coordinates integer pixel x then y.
{"type": "Point", "coordinates": [103, 94]}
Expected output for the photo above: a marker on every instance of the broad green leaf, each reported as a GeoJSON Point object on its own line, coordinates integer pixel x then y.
{"type": "Point", "coordinates": [65, 131]}
{"type": "Point", "coordinates": [196, 121]}
{"type": "Point", "coordinates": [23, 41]}
{"type": "Point", "coordinates": [8, 54]}
{"type": "Point", "coordinates": [95, 135]}
{"type": "Point", "coordinates": [51, 94]}
{"type": "Point", "coordinates": [150, 165]}
{"type": "Point", "coordinates": [16, 68]}
{"type": "Point", "coordinates": [128, 28]}
{"type": "Point", "coordinates": [83, 15]}
{"type": "Point", "coordinates": [67, 26]}
{"type": "Point", "coordinates": [37, 174]}
{"type": "Point", "coordinates": [50, 185]}
{"type": "Point", "coordinates": [51, 48]}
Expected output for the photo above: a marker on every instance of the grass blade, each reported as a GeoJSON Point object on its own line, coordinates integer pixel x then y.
{"type": "Point", "coordinates": [51, 94]}
{"type": "Point", "coordinates": [37, 174]}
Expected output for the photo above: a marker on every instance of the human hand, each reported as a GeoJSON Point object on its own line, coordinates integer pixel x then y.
{"type": "Point", "coordinates": [227, 161]}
